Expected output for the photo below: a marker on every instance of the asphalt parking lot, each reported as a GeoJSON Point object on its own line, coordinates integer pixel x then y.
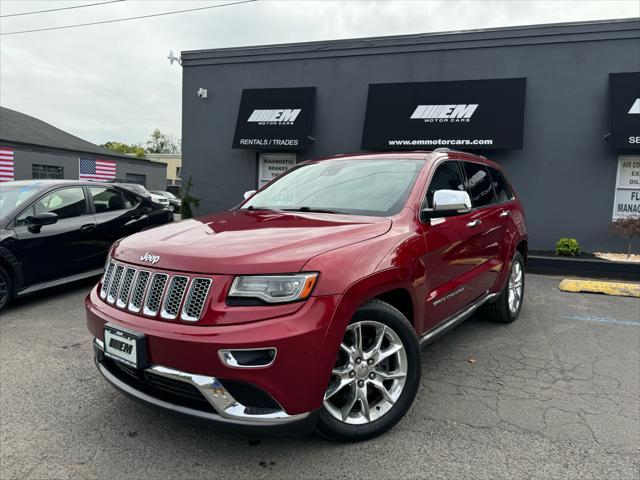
{"type": "Point", "coordinates": [554, 395]}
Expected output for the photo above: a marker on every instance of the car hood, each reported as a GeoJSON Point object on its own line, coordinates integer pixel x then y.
{"type": "Point", "coordinates": [245, 242]}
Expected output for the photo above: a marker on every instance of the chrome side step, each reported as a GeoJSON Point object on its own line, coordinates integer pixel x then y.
{"type": "Point", "coordinates": [460, 317]}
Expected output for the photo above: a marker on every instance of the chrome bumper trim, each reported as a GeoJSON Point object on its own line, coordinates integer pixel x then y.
{"type": "Point", "coordinates": [228, 409]}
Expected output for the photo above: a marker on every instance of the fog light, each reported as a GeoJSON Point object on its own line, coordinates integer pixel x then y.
{"type": "Point", "coordinates": [248, 358]}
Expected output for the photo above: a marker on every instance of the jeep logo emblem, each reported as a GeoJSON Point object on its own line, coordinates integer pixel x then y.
{"type": "Point", "coordinates": [147, 257]}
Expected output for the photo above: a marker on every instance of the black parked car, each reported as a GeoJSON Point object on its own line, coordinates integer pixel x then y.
{"type": "Point", "coordinates": [57, 231]}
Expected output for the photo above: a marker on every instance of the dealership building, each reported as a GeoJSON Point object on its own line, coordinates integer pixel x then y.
{"type": "Point", "coordinates": [557, 105]}
{"type": "Point", "coordinates": [33, 149]}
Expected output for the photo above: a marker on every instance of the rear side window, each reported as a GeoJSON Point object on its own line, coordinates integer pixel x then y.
{"type": "Point", "coordinates": [500, 185]}
{"type": "Point", "coordinates": [108, 199]}
{"type": "Point", "coordinates": [446, 177]}
{"type": "Point", "coordinates": [479, 184]}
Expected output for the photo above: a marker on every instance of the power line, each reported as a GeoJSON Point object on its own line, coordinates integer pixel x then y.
{"type": "Point", "coordinates": [128, 18]}
{"type": "Point", "coordinates": [61, 8]}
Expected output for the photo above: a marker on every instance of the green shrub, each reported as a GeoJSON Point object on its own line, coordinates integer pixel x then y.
{"type": "Point", "coordinates": [188, 201]}
{"type": "Point", "coordinates": [568, 247]}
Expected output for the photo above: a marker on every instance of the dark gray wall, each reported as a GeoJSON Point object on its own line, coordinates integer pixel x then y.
{"type": "Point", "coordinates": [24, 159]}
{"type": "Point", "coordinates": [565, 174]}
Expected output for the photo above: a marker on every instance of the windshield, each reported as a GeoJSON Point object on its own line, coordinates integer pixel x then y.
{"type": "Point", "coordinates": [12, 196]}
{"type": "Point", "coordinates": [364, 187]}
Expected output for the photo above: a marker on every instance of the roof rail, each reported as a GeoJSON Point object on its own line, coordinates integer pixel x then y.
{"type": "Point", "coordinates": [446, 150]}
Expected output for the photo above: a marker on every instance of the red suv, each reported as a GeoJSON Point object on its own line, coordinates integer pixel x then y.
{"type": "Point", "coordinates": [306, 305]}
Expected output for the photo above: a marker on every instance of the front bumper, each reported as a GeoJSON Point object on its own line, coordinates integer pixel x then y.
{"type": "Point", "coordinates": [224, 408]}
{"type": "Point", "coordinates": [295, 382]}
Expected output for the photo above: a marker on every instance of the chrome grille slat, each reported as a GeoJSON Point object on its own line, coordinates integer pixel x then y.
{"type": "Point", "coordinates": [154, 294]}
{"type": "Point", "coordinates": [193, 305]}
{"type": "Point", "coordinates": [106, 280]}
{"type": "Point", "coordinates": [139, 289]}
{"type": "Point", "coordinates": [115, 283]}
{"type": "Point", "coordinates": [125, 289]}
{"type": "Point", "coordinates": [173, 297]}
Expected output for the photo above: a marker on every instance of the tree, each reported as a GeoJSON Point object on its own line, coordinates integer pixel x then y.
{"type": "Point", "coordinates": [125, 148]}
{"type": "Point", "coordinates": [161, 143]}
{"type": "Point", "coordinates": [188, 201]}
{"type": "Point", "coordinates": [626, 227]}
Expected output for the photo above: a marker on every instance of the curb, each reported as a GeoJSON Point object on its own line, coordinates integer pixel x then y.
{"type": "Point", "coordinates": [580, 267]}
{"type": "Point", "coordinates": [595, 286]}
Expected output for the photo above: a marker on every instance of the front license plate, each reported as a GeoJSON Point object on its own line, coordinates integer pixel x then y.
{"type": "Point", "coordinates": [122, 346]}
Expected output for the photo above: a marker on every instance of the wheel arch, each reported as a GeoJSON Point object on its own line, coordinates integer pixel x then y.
{"type": "Point", "coordinates": [13, 266]}
{"type": "Point", "coordinates": [390, 285]}
{"type": "Point", "coordinates": [517, 245]}
{"type": "Point", "coordinates": [523, 248]}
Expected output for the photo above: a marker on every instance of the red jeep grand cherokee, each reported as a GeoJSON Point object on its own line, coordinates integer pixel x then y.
{"type": "Point", "coordinates": [306, 305]}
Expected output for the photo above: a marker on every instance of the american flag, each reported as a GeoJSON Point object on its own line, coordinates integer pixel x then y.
{"type": "Point", "coordinates": [99, 170]}
{"type": "Point", "coordinates": [6, 164]}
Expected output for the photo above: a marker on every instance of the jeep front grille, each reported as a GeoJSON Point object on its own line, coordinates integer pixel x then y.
{"type": "Point", "coordinates": [125, 289]}
{"type": "Point", "coordinates": [115, 284]}
{"type": "Point", "coordinates": [195, 299]}
{"type": "Point", "coordinates": [155, 294]}
{"type": "Point", "coordinates": [106, 280]}
{"type": "Point", "coordinates": [135, 304]}
{"type": "Point", "coordinates": [173, 298]}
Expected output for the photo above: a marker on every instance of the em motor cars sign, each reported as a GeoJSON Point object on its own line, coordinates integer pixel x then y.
{"type": "Point", "coordinates": [474, 114]}
{"type": "Point", "coordinates": [275, 118]}
{"type": "Point", "coordinates": [625, 110]}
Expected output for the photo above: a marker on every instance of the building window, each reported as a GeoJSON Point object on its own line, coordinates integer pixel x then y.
{"type": "Point", "coordinates": [40, 172]}
{"type": "Point", "coordinates": [178, 172]}
{"type": "Point", "coordinates": [136, 178]}
{"type": "Point", "coordinates": [271, 165]}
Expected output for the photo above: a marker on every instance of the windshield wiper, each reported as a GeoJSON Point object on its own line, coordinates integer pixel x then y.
{"type": "Point", "coordinates": [251, 207]}
{"type": "Point", "coordinates": [315, 210]}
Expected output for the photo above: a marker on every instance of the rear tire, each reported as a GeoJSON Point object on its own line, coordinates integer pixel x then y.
{"type": "Point", "coordinates": [6, 288]}
{"type": "Point", "coordinates": [375, 383]}
{"type": "Point", "coordinates": [506, 308]}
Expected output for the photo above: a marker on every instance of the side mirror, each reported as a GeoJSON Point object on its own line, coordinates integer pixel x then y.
{"type": "Point", "coordinates": [36, 222]}
{"type": "Point", "coordinates": [248, 194]}
{"type": "Point", "coordinates": [448, 203]}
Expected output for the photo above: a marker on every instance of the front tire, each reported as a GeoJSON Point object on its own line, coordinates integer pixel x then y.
{"type": "Point", "coordinates": [507, 306]}
{"type": "Point", "coordinates": [376, 375]}
{"type": "Point", "coordinates": [6, 288]}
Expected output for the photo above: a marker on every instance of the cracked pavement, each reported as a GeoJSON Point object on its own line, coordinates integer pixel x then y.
{"type": "Point", "coordinates": [555, 394]}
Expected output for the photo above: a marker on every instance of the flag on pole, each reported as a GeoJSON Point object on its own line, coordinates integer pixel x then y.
{"type": "Point", "coordinates": [98, 170]}
{"type": "Point", "coordinates": [6, 164]}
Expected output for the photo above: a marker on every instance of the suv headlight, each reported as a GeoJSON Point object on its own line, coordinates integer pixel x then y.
{"type": "Point", "coordinates": [274, 288]}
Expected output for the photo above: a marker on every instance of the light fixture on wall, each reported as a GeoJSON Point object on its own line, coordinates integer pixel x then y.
{"type": "Point", "coordinates": [174, 58]}
{"type": "Point", "coordinates": [202, 93]}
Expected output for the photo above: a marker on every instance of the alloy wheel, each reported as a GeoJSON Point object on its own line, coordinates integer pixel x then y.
{"type": "Point", "coordinates": [515, 287]}
{"type": "Point", "coordinates": [369, 374]}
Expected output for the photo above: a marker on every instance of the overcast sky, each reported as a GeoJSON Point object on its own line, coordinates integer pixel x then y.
{"type": "Point", "coordinates": [113, 81]}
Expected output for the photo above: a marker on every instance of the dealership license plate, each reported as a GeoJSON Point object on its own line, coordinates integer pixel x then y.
{"type": "Point", "coordinates": [121, 346]}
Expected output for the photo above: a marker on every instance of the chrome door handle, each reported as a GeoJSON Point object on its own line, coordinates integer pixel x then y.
{"type": "Point", "coordinates": [505, 213]}
{"type": "Point", "coordinates": [474, 223]}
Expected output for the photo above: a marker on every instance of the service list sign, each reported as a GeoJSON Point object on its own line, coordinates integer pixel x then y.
{"type": "Point", "coordinates": [473, 114]}
{"type": "Point", "coordinates": [627, 197]}
{"type": "Point", "coordinates": [625, 110]}
{"type": "Point", "coordinates": [275, 118]}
